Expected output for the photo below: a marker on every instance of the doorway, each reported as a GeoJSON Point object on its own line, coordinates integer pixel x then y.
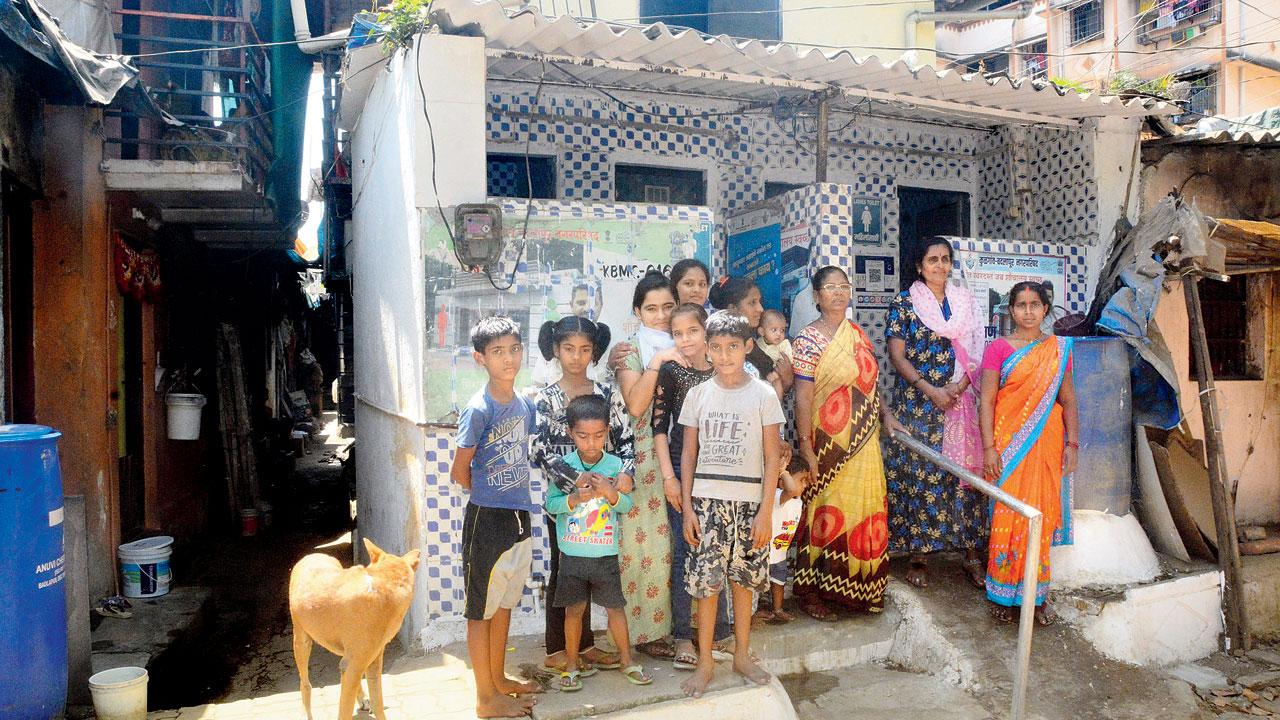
{"type": "Point", "coordinates": [924, 212]}
{"type": "Point", "coordinates": [132, 385]}
{"type": "Point", "coordinates": [17, 321]}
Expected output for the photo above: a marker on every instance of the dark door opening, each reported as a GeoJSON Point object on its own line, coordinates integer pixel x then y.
{"type": "Point", "coordinates": [924, 213]}
{"type": "Point", "coordinates": [17, 277]}
{"type": "Point", "coordinates": [132, 482]}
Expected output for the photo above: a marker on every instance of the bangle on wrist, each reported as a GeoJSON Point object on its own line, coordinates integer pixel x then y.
{"type": "Point", "coordinates": [1073, 444]}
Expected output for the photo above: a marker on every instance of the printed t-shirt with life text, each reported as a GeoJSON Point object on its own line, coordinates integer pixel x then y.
{"type": "Point", "coordinates": [730, 423]}
{"type": "Point", "coordinates": [500, 434]}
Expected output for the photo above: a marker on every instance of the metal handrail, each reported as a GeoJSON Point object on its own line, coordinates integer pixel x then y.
{"type": "Point", "coordinates": [1026, 615]}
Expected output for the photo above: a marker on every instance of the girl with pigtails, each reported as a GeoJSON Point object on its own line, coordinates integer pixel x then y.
{"type": "Point", "coordinates": [577, 343]}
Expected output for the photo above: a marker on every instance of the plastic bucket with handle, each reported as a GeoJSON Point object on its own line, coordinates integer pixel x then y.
{"type": "Point", "coordinates": [144, 567]}
{"type": "Point", "coordinates": [184, 415]}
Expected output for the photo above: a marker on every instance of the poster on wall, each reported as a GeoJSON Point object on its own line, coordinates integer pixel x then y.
{"type": "Point", "coordinates": [875, 281]}
{"type": "Point", "coordinates": [991, 275]}
{"type": "Point", "coordinates": [795, 263]}
{"type": "Point", "coordinates": [867, 215]}
{"type": "Point", "coordinates": [583, 263]}
{"type": "Point", "coordinates": [754, 251]}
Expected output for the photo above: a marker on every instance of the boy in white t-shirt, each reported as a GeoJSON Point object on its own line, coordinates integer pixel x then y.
{"type": "Point", "coordinates": [730, 464]}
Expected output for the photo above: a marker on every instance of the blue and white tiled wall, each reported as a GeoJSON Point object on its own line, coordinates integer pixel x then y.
{"type": "Point", "coordinates": [587, 133]}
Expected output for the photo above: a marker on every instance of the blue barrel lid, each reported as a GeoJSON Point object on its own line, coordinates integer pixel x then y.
{"type": "Point", "coordinates": [27, 433]}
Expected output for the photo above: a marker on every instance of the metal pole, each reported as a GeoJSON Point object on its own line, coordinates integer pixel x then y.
{"type": "Point", "coordinates": [1026, 616]}
{"type": "Point", "coordinates": [820, 173]}
{"type": "Point", "coordinates": [1031, 570]}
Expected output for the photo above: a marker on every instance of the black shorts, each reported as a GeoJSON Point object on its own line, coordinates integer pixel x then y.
{"type": "Point", "coordinates": [497, 557]}
{"type": "Point", "coordinates": [598, 579]}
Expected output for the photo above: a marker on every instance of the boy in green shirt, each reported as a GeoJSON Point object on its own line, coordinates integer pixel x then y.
{"type": "Point", "coordinates": [586, 530]}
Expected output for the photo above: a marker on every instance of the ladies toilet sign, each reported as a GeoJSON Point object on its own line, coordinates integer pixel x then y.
{"type": "Point", "coordinates": [866, 216]}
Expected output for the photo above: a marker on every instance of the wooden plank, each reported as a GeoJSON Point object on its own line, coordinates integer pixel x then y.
{"type": "Point", "coordinates": [1150, 504]}
{"type": "Point", "coordinates": [1237, 622]}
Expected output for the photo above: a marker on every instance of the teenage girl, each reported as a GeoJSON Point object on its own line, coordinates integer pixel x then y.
{"type": "Point", "coordinates": [577, 343]}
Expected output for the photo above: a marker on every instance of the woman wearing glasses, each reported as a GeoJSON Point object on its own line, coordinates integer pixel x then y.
{"type": "Point", "coordinates": [842, 539]}
{"type": "Point", "coordinates": [935, 337]}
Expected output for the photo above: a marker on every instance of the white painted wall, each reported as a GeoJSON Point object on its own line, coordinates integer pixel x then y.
{"type": "Point", "coordinates": [1116, 164]}
{"type": "Point", "coordinates": [391, 177]}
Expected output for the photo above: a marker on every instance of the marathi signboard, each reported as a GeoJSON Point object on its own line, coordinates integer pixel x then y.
{"type": "Point", "coordinates": [991, 275]}
{"type": "Point", "coordinates": [585, 266]}
{"type": "Point", "coordinates": [795, 263]}
{"type": "Point", "coordinates": [754, 251]}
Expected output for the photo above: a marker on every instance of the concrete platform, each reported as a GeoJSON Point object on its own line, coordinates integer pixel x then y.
{"type": "Point", "coordinates": [138, 640]}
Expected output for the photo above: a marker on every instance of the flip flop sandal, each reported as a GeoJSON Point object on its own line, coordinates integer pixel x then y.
{"type": "Point", "coordinates": [976, 573]}
{"type": "Point", "coordinates": [819, 611]}
{"type": "Point", "coordinates": [781, 617]}
{"type": "Point", "coordinates": [1003, 614]}
{"type": "Point", "coordinates": [635, 675]}
{"type": "Point", "coordinates": [586, 669]}
{"type": "Point", "coordinates": [569, 681]}
{"type": "Point", "coordinates": [658, 649]}
{"type": "Point", "coordinates": [685, 661]}
{"type": "Point", "coordinates": [611, 665]}
{"type": "Point", "coordinates": [917, 573]}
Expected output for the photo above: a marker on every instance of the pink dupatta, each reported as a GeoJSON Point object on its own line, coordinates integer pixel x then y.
{"type": "Point", "coordinates": [961, 437]}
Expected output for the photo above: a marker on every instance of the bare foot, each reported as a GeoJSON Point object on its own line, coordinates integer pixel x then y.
{"type": "Point", "coordinates": [596, 656]}
{"type": "Point", "coordinates": [513, 686]}
{"type": "Point", "coordinates": [782, 617]}
{"type": "Point", "coordinates": [751, 671]}
{"type": "Point", "coordinates": [698, 681]}
{"type": "Point", "coordinates": [505, 706]}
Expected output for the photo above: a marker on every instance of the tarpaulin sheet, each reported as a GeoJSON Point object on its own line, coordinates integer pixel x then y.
{"type": "Point", "coordinates": [99, 77]}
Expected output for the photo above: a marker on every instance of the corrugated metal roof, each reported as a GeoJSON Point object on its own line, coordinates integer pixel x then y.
{"type": "Point", "coordinates": [1260, 128]}
{"type": "Point", "coordinates": [660, 58]}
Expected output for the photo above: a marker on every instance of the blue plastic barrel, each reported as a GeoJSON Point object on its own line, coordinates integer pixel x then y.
{"type": "Point", "coordinates": [1105, 402]}
{"type": "Point", "coordinates": [33, 624]}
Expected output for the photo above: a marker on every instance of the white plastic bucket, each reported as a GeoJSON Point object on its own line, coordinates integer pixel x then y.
{"type": "Point", "coordinates": [184, 415]}
{"type": "Point", "coordinates": [120, 693]}
{"type": "Point", "coordinates": [144, 567]}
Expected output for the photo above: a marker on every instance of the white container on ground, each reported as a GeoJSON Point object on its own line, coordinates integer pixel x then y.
{"type": "Point", "coordinates": [144, 567]}
{"type": "Point", "coordinates": [184, 415]}
{"type": "Point", "coordinates": [120, 693]}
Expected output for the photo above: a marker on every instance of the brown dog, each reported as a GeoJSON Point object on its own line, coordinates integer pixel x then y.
{"type": "Point", "coordinates": [353, 613]}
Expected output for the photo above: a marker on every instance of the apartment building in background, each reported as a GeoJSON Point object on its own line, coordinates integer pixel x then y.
{"type": "Point", "coordinates": [1223, 56]}
{"type": "Point", "coordinates": [863, 27]}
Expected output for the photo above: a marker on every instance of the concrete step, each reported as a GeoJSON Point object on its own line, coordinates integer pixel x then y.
{"type": "Point", "coordinates": [156, 622]}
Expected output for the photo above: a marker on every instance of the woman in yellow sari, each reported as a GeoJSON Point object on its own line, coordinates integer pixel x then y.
{"type": "Point", "coordinates": [1030, 434]}
{"type": "Point", "coordinates": [842, 539]}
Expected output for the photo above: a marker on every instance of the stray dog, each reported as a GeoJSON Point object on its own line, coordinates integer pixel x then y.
{"type": "Point", "coordinates": [353, 613]}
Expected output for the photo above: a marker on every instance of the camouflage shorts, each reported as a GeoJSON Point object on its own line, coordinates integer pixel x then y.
{"type": "Point", "coordinates": [725, 551]}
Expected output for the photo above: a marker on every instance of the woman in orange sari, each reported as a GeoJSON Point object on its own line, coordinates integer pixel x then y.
{"type": "Point", "coordinates": [1030, 444]}
{"type": "Point", "coordinates": [842, 540]}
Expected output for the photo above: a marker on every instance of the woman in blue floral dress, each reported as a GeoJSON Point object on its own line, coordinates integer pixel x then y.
{"type": "Point", "coordinates": [935, 336]}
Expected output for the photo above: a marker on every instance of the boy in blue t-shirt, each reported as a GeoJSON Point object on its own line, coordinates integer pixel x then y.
{"type": "Point", "coordinates": [587, 534]}
{"type": "Point", "coordinates": [492, 462]}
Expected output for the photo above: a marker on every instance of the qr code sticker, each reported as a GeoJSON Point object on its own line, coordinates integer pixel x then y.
{"type": "Point", "coordinates": [875, 277]}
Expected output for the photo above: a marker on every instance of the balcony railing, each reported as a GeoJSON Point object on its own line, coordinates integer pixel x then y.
{"type": "Point", "coordinates": [198, 69]}
{"type": "Point", "coordinates": [1176, 20]}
